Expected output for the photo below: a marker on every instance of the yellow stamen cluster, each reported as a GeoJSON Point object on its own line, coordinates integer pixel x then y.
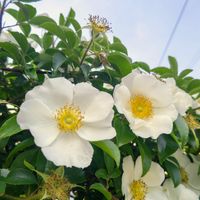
{"type": "Point", "coordinates": [138, 190]}
{"type": "Point", "coordinates": [184, 175]}
{"type": "Point", "coordinates": [141, 107]}
{"type": "Point", "coordinates": [99, 24]}
{"type": "Point", "coordinates": [69, 119]}
{"type": "Point", "coordinates": [192, 122]}
{"type": "Point", "coordinates": [57, 187]}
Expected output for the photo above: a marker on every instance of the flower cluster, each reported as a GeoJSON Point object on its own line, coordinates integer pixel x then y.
{"type": "Point", "coordinates": [64, 119]}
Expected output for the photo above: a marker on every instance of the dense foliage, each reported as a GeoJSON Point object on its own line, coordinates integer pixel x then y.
{"type": "Point", "coordinates": [28, 58]}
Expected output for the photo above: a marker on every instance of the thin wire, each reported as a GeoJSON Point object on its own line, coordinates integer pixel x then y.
{"type": "Point", "coordinates": [173, 32]}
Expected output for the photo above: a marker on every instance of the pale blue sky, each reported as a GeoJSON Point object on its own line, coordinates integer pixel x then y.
{"type": "Point", "coordinates": [143, 26]}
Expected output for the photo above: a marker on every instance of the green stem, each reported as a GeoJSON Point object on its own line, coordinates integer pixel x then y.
{"type": "Point", "coordinates": [195, 138]}
{"type": "Point", "coordinates": [86, 51]}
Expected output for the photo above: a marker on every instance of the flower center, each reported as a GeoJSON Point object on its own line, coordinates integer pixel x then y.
{"type": "Point", "coordinates": [184, 175]}
{"type": "Point", "coordinates": [69, 118]}
{"type": "Point", "coordinates": [141, 107]}
{"type": "Point", "coordinates": [138, 190]}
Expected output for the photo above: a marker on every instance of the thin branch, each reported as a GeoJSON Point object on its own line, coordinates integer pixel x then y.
{"type": "Point", "coordinates": [1, 14]}
{"type": "Point", "coordinates": [10, 26]}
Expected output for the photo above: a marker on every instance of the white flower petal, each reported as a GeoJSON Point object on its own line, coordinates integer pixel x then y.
{"type": "Point", "coordinates": [84, 94]}
{"type": "Point", "coordinates": [156, 193]}
{"type": "Point", "coordinates": [169, 111]}
{"type": "Point", "coordinates": [183, 101]}
{"type": "Point", "coordinates": [96, 133]}
{"type": "Point", "coordinates": [194, 179]}
{"type": "Point", "coordinates": [69, 150]}
{"type": "Point", "coordinates": [160, 124]}
{"type": "Point", "coordinates": [154, 89]}
{"type": "Point", "coordinates": [37, 117]}
{"type": "Point", "coordinates": [144, 131]}
{"type": "Point", "coordinates": [122, 97]}
{"type": "Point", "coordinates": [128, 174]}
{"type": "Point", "coordinates": [128, 79]}
{"type": "Point", "coordinates": [99, 108]}
{"type": "Point", "coordinates": [154, 177]}
{"type": "Point", "coordinates": [182, 158]}
{"type": "Point", "coordinates": [178, 193]}
{"type": "Point", "coordinates": [54, 92]}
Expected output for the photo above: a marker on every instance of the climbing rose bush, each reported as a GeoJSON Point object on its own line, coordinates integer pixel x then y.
{"type": "Point", "coordinates": [79, 119]}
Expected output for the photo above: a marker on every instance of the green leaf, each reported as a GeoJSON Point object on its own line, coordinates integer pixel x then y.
{"type": "Point", "coordinates": [38, 20]}
{"type": "Point", "coordinates": [54, 29]}
{"type": "Point", "coordinates": [75, 175]}
{"type": "Point", "coordinates": [70, 16]}
{"type": "Point", "coordinates": [166, 147]}
{"type": "Point", "coordinates": [58, 60]}
{"type": "Point", "coordinates": [36, 38]}
{"type": "Point", "coordinates": [121, 62]}
{"type": "Point", "coordinates": [100, 188]}
{"type": "Point", "coordinates": [32, 168]}
{"type": "Point", "coordinates": [109, 162]}
{"type": "Point", "coordinates": [9, 128]}
{"type": "Point", "coordinates": [110, 148]}
{"type": "Point", "coordinates": [26, 12]}
{"type": "Point", "coordinates": [21, 40]}
{"type": "Point", "coordinates": [194, 84]}
{"type": "Point", "coordinates": [20, 147]}
{"type": "Point", "coordinates": [76, 26]}
{"type": "Point", "coordinates": [118, 46]}
{"type": "Point", "coordinates": [124, 133]}
{"type": "Point", "coordinates": [12, 12]}
{"type": "Point", "coordinates": [185, 72]}
{"type": "Point", "coordinates": [2, 188]}
{"type": "Point", "coordinates": [183, 129]}
{"type": "Point", "coordinates": [146, 156]}
{"type": "Point", "coordinates": [47, 40]}
{"type": "Point", "coordinates": [70, 36]}
{"type": "Point", "coordinates": [173, 171]}
{"type": "Point", "coordinates": [101, 173]}
{"type": "Point", "coordinates": [142, 65]}
{"type": "Point", "coordinates": [20, 176]}
{"type": "Point", "coordinates": [13, 51]}
{"type": "Point", "coordinates": [173, 65]}
{"type": "Point", "coordinates": [26, 28]}
{"type": "Point", "coordinates": [161, 70]}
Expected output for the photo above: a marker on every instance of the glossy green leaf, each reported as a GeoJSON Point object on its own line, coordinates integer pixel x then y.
{"type": "Point", "coordinates": [110, 148]}
{"type": "Point", "coordinates": [174, 171]}
{"type": "Point", "coordinates": [9, 128]}
{"type": "Point", "coordinates": [120, 62]}
{"type": "Point", "coordinates": [173, 65]}
{"type": "Point", "coordinates": [20, 176]}
{"type": "Point", "coordinates": [2, 188]}
{"type": "Point", "coordinates": [12, 50]}
{"type": "Point", "coordinates": [124, 133]}
{"type": "Point", "coordinates": [185, 72]}
{"type": "Point", "coordinates": [183, 129]}
{"type": "Point", "coordinates": [146, 155]}
{"type": "Point", "coordinates": [166, 147]}
{"type": "Point", "coordinates": [21, 40]}
{"type": "Point", "coordinates": [58, 60]}
{"type": "Point", "coordinates": [101, 173]}
{"type": "Point", "coordinates": [38, 20]}
{"type": "Point", "coordinates": [100, 188]}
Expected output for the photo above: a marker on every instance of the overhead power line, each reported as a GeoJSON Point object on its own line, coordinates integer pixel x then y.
{"type": "Point", "coordinates": [173, 32]}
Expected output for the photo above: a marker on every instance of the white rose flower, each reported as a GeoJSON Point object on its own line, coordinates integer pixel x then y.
{"type": "Point", "coordinates": [178, 193]}
{"type": "Point", "coordinates": [147, 103]}
{"type": "Point", "coordinates": [136, 187]}
{"type": "Point", "coordinates": [63, 117]}
{"type": "Point", "coordinates": [182, 100]}
{"type": "Point", "coordinates": [189, 172]}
